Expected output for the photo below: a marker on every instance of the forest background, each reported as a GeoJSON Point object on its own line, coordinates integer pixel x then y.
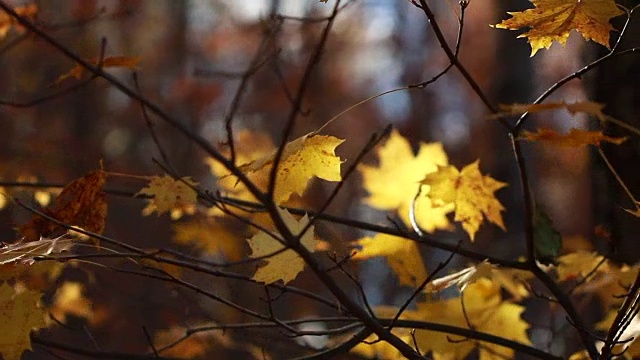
{"type": "Point", "coordinates": [206, 62]}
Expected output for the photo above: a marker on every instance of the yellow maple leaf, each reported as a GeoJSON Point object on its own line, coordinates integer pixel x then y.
{"type": "Point", "coordinates": [285, 265]}
{"type": "Point", "coordinates": [574, 138]}
{"type": "Point", "coordinates": [471, 193]}
{"type": "Point", "coordinates": [579, 264]}
{"type": "Point", "coordinates": [19, 314]}
{"type": "Point", "coordinates": [394, 183]}
{"type": "Point", "coordinates": [211, 235]}
{"type": "Point", "coordinates": [403, 256]}
{"type": "Point", "coordinates": [70, 300]}
{"type": "Point", "coordinates": [485, 310]}
{"type": "Point", "coordinates": [168, 193]}
{"type": "Point", "coordinates": [553, 20]}
{"type": "Point", "coordinates": [302, 159]}
{"type": "Point", "coordinates": [108, 62]}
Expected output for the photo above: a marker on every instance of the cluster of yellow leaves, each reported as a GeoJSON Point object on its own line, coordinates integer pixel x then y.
{"type": "Point", "coordinates": [470, 192]}
{"type": "Point", "coordinates": [108, 62]}
{"type": "Point", "coordinates": [281, 265]}
{"type": "Point", "coordinates": [553, 20]}
{"type": "Point", "coordinates": [395, 182]}
{"type": "Point", "coordinates": [7, 22]}
{"type": "Point", "coordinates": [484, 310]}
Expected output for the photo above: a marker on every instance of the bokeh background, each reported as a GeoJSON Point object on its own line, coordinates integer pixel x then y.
{"type": "Point", "coordinates": [194, 53]}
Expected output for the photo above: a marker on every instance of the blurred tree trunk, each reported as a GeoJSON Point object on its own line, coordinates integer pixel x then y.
{"type": "Point", "coordinates": [618, 86]}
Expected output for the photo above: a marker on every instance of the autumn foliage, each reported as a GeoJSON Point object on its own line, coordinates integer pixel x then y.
{"type": "Point", "coordinates": [272, 235]}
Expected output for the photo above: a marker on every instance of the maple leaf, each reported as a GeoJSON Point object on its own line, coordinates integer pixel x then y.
{"type": "Point", "coordinates": [211, 235]}
{"type": "Point", "coordinates": [168, 193]}
{"type": "Point", "coordinates": [108, 62]}
{"type": "Point", "coordinates": [575, 137]}
{"type": "Point", "coordinates": [285, 265]}
{"type": "Point", "coordinates": [588, 107]}
{"type": "Point", "coordinates": [69, 300]}
{"type": "Point", "coordinates": [7, 21]}
{"type": "Point", "coordinates": [394, 183]}
{"type": "Point", "coordinates": [249, 146]}
{"type": "Point", "coordinates": [19, 314]}
{"type": "Point", "coordinates": [470, 192]}
{"type": "Point", "coordinates": [82, 203]}
{"type": "Point", "coordinates": [403, 256]}
{"type": "Point", "coordinates": [553, 20]}
{"type": "Point", "coordinates": [484, 309]}
{"type": "Point", "coordinates": [302, 159]}
{"type": "Point", "coordinates": [580, 264]}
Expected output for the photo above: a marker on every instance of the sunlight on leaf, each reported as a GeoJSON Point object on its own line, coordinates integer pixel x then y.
{"type": "Point", "coordinates": [486, 312]}
{"type": "Point", "coordinates": [168, 193]}
{"type": "Point", "coordinates": [302, 159]}
{"type": "Point", "coordinates": [575, 137]}
{"type": "Point", "coordinates": [19, 314]}
{"type": "Point", "coordinates": [285, 265]}
{"type": "Point", "coordinates": [394, 183]}
{"type": "Point", "coordinates": [470, 192]}
{"type": "Point", "coordinates": [402, 255]}
{"type": "Point", "coordinates": [553, 20]}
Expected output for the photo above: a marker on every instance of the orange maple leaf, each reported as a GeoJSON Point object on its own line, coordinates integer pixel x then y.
{"type": "Point", "coordinates": [574, 138]}
{"type": "Point", "coordinates": [109, 62]}
{"type": "Point", "coordinates": [553, 20]}
{"type": "Point", "coordinates": [470, 192]}
{"type": "Point", "coordinates": [82, 203]}
{"type": "Point", "coordinates": [6, 21]}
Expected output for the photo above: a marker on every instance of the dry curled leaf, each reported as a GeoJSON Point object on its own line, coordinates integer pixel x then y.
{"type": "Point", "coordinates": [575, 137]}
{"type": "Point", "coordinates": [82, 203]}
